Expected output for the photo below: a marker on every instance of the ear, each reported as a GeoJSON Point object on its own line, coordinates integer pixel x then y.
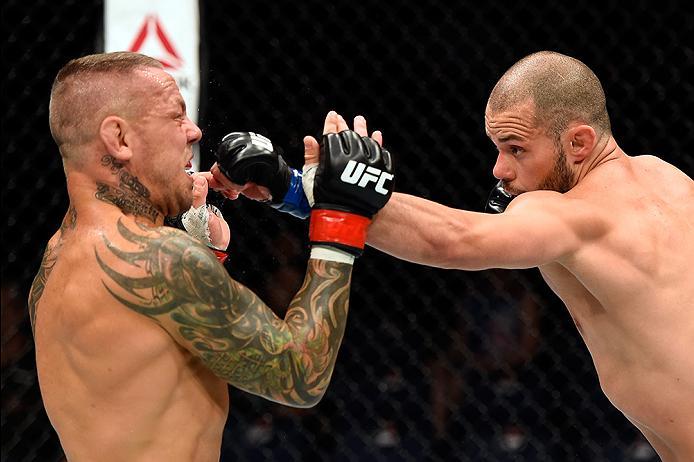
{"type": "Point", "coordinates": [581, 141]}
{"type": "Point", "coordinates": [112, 133]}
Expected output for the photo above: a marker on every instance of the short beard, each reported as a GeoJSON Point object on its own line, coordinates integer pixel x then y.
{"type": "Point", "coordinates": [561, 178]}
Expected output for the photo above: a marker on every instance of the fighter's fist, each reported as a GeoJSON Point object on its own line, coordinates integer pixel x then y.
{"type": "Point", "coordinates": [199, 190]}
{"type": "Point", "coordinates": [250, 162]}
{"type": "Point", "coordinates": [246, 157]}
{"type": "Point", "coordinates": [353, 181]}
{"type": "Point", "coordinates": [204, 221]}
{"type": "Point", "coordinates": [355, 174]}
{"type": "Point", "coordinates": [498, 199]}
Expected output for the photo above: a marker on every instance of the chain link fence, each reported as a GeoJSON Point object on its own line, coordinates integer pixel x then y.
{"type": "Point", "coordinates": [435, 365]}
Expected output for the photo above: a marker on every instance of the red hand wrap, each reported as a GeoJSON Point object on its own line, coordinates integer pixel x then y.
{"type": "Point", "coordinates": [339, 227]}
{"type": "Point", "coordinates": [221, 256]}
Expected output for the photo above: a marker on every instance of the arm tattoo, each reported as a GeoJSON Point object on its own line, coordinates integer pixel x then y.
{"type": "Point", "coordinates": [178, 282]}
{"type": "Point", "coordinates": [50, 257]}
{"type": "Point", "coordinates": [130, 196]}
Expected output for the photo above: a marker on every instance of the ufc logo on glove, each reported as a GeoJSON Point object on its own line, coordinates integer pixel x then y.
{"type": "Point", "coordinates": [359, 172]}
{"type": "Point", "coordinates": [344, 201]}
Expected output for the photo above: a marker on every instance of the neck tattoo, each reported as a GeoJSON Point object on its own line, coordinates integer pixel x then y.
{"type": "Point", "coordinates": [130, 195]}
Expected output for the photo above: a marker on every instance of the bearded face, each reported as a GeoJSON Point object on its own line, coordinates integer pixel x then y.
{"type": "Point", "coordinates": [560, 178]}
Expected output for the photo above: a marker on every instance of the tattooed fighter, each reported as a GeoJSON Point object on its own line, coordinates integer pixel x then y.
{"type": "Point", "coordinates": [138, 327]}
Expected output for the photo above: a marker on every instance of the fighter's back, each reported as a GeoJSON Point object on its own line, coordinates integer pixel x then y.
{"type": "Point", "coordinates": [631, 292]}
{"type": "Point", "coordinates": [112, 380]}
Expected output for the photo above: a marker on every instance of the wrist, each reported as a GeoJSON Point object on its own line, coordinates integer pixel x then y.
{"type": "Point", "coordinates": [320, 252]}
{"type": "Point", "coordinates": [294, 201]}
{"type": "Point", "coordinates": [343, 230]}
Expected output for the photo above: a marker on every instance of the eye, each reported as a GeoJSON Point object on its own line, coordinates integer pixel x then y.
{"type": "Point", "coordinates": [515, 150]}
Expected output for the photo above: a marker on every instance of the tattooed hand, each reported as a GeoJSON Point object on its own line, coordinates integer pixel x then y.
{"type": "Point", "coordinates": [178, 282]}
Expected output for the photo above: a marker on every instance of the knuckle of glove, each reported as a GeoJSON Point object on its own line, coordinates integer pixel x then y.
{"type": "Point", "coordinates": [360, 180]}
{"type": "Point", "coordinates": [332, 145]}
{"type": "Point", "coordinates": [372, 151]}
{"type": "Point", "coordinates": [352, 142]}
{"type": "Point", "coordinates": [241, 160]}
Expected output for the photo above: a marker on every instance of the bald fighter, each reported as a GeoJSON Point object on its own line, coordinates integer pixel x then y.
{"type": "Point", "coordinates": [612, 234]}
{"type": "Point", "coordinates": [138, 328]}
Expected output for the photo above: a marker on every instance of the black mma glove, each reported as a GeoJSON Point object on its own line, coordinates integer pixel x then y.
{"type": "Point", "coordinates": [248, 157]}
{"type": "Point", "coordinates": [353, 181]}
{"type": "Point", "coordinates": [498, 199]}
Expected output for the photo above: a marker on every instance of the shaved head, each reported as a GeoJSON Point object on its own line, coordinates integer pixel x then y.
{"type": "Point", "coordinates": [562, 90]}
{"type": "Point", "coordinates": [88, 89]}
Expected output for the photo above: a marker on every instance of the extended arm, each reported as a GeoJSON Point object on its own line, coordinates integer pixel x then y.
{"type": "Point", "coordinates": [537, 228]}
{"type": "Point", "coordinates": [181, 286]}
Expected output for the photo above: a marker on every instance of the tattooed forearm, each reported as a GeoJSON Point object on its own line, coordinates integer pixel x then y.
{"type": "Point", "coordinates": [178, 282]}
{"type": "Point", "coordinates": [130, 196]}
{"type": "Point", "coordinates": [291, 360]}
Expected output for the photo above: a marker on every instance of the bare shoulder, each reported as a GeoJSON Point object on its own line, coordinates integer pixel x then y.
{"type": "Point", "coordinates": [656, 165]}
{"type": "Point", "coordinates": [154, 242]}
{"type": "Point", "coordinates": [578, 214]}
{"type": "Point", "coordinates": [152, 270]}
{"type": "Point", "coordinates": [664, 181]}
{"type": "Point", "coordinates": [571, 207]}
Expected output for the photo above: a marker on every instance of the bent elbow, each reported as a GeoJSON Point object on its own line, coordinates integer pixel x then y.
{"type": "Point", "coordinates": [304, 401]}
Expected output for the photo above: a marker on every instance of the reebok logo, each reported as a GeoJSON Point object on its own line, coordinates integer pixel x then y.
{"type": "Point", "coordinates": [154, 41]}
{"type": "Point", "coordinates": [358, 173]}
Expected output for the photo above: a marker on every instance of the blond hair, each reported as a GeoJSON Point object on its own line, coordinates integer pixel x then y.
{"type": "Point", "coordinates": [89, 88]}
{"type": "Point", "coordinates": [562, 90]}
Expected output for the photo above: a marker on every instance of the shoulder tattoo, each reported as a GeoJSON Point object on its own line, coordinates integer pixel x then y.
{"type": "Point", "coordinates": [178, 282]}
{"type": "Point", "coordinates": [50, 257]}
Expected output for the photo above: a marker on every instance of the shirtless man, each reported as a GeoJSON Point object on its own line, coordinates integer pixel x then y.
{"type": "Point", "coordinates": [613, 236]}
{"type": "Point", "coordinates": [138, 328]}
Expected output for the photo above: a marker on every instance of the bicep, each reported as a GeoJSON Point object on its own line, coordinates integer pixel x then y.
{"type": "Point", "coordinates": [188, 292]}
{"type": "Point", "coordinates": [232, 331]}
{"type": "Point", "coordinates": [539, 229]}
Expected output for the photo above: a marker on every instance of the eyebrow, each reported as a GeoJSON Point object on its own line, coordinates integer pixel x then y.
{"type": "Point", "coordinates": [507, 138]}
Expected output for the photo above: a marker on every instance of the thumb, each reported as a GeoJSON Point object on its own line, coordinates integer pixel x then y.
{"type": "Point", "coordinates": [311, 150]}
{"type": "Point", "coordinates": [199, 180]}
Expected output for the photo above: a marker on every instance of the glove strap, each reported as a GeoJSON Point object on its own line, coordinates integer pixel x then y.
{"type": "Point", "coordinates": [294, 202]}
{"type": "Point", "coordinates": [346, 231]}
{"type": "Point", "coordinates": [321, 252]}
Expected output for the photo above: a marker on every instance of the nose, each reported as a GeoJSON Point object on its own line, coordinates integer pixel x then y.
{"type": "Point", "coordinates": [194, 133]}
{"type": "Point", "coordinates": [502, 169]}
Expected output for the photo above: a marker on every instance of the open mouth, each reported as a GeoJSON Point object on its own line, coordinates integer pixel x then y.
{"type": "Point", "coordinates": [189, 168]}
